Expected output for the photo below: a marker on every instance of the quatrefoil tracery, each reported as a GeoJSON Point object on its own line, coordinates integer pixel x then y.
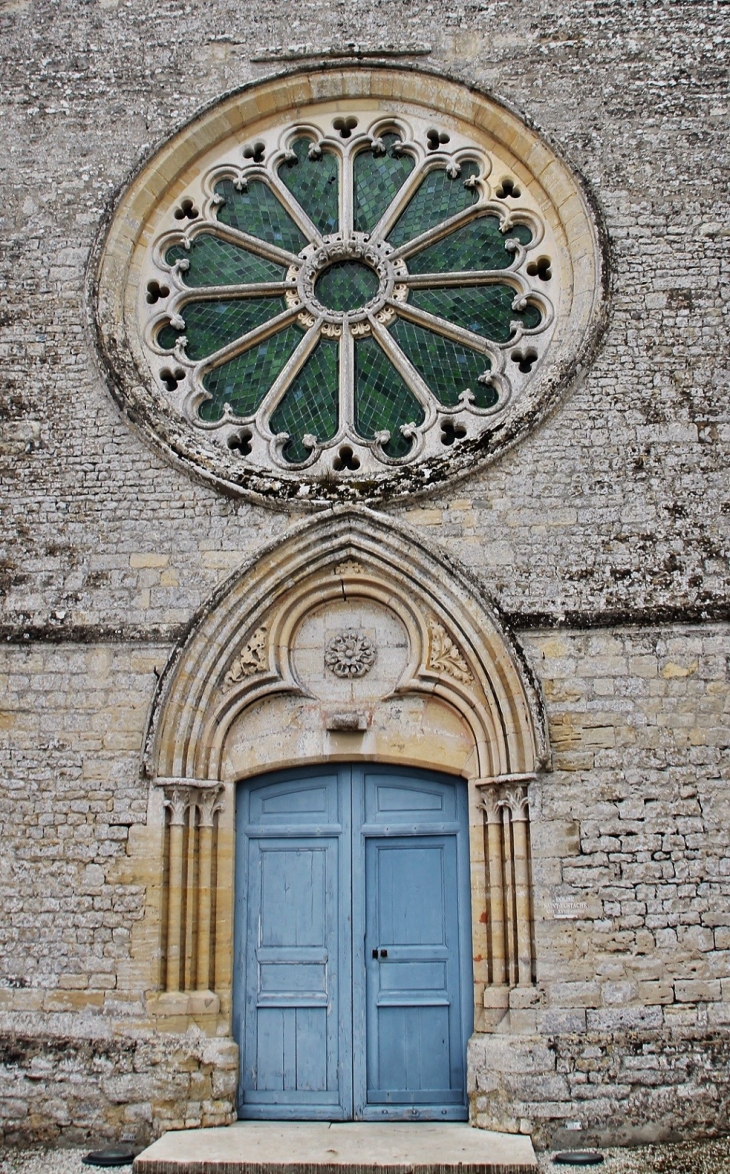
{"type": "Point", "coordinates": [385, 320]}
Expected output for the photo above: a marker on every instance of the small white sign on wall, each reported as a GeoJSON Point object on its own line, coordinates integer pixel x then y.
{"type": "Point", "coordinates": [569, 907]}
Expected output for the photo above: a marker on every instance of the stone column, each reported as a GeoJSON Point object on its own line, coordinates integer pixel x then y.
{"type": "Point", "coordinates": [509, 905]}
{"type": "Point", "coordinates": [189, 880]}
{"type": "Point", "coordinates": [495, 889]}
{"type": "Point", "coordinates": [177, 799]}
{"type": "Point", "coordinates": [515, 798]}
{"type": "Point", "coordinates": [208, 804]}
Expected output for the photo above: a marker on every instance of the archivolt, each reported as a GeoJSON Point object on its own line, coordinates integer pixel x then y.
{"type": "Point", "coordinates": [238, 650]}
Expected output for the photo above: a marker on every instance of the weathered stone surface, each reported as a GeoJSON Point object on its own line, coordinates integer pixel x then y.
{"type": "Point", "coordinates": [603, 538]}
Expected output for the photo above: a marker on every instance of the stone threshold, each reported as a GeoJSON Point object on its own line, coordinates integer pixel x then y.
{"type": "Point", "coordinates": [322, 1147]}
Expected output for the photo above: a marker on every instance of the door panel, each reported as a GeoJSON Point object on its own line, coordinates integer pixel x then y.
{"type": "Point", "coordinates": [290, 883]}
{"type": "Point", "coordinates": [353, 945]}
{"type": "Point", "coordinates": [414, 1053]}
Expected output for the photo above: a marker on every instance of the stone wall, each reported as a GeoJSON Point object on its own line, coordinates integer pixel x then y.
{"type": "Point", "coordinates": [90, 1087]}
{"type": "Point", "coordinates": [614, 505]}
{"type": "Point", "coordinates": [628, 1029]}
{"type": "Point", "coordinates": [602, 538]}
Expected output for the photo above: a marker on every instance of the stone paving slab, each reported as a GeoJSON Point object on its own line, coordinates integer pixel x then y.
{"type": "Point", "coordinates": [296, 1147]}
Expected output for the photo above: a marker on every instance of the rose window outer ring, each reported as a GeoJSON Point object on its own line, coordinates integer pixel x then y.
{"type": "Point", "coordinates": [309, 296]}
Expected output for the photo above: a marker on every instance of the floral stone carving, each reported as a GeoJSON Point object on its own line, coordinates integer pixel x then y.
{"type": "Point", "coordinates": [350, 654]}
{"type": "Point", "coordinates": [445, 656]}
{"type": "Point", "coordinates": [250, 660]}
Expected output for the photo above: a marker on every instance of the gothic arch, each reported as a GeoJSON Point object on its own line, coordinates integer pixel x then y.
{"type": "Point", "coordinates": [350, 639]}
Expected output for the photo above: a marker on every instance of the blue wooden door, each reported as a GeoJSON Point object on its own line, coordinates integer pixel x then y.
{"type": "Point", "coordinates": [414, 978]}
{"type": "Point", "coordinates": [353, 980]}
{"type": "Point", "coordinates": [293, 955]}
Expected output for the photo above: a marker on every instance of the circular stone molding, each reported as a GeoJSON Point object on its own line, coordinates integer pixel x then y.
{"type": "Point", "coordinates": [347, 284]}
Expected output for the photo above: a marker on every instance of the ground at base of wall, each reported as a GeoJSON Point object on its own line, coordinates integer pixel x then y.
{"type": "Point", "coordinates": [696, 1157]}
{"type": "Point", "coordinates": [690, 1157]}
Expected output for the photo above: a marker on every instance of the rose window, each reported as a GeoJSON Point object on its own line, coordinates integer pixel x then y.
{"type": "Point", "coordinates": [358, 298]}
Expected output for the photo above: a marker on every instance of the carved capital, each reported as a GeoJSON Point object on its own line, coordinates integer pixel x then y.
{"type": "Point", "coordinates": [514, 797]}
{"type": "Point", "coordinates": [178, 799]}
{"type": "Point", "coordinates": [491, 806]}
{"type": "Point", "coordinates": [209, 803]}
{"type": "Point", "coordinates": [498, 796]}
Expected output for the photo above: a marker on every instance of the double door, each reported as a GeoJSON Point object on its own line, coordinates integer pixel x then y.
{"type": "Point", "coordinates": [353, 985]}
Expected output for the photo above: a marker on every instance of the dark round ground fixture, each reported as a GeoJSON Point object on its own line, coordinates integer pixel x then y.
{"type": "Point", "coordinates": [578, 1158]}
{"type": "Point", "coordinates": [113, 1155]}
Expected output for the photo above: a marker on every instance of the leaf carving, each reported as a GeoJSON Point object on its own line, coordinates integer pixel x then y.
{"type": "Point", "coordinates": [250, 660]}
{"type": "Point", "coordinates": [445, 655]}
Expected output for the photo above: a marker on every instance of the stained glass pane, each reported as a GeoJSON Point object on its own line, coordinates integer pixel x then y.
{"type": "Point", "coordinates": [313, 182]}
{"type": "Point", "coordinates": [211, 325]}
{"type": "Point", "coordinates": [347, 285]}
{"type": "Point", "coordinates": [216, 262]}
{"type": "Point", "coordinates": [437, 198]}
{"type": "Point", "coordinates": [311, 403]}
{"type": "Point", "coordinates": [382, 399]}
{"type": "Point", "coordinates": [257, 211]}
{"type": "Point", "coordinates": [447, 367]}
{"type": "Point", "coordinates": [244, 381]}
{"type": "Point", "coordinates": [377, 180]}
{"type": "Point", "coordinates": [478, 245]}
{"type": "Point", "coordinates": [485, 309]}
{"type": "Point", "coordinates": [167, 337]}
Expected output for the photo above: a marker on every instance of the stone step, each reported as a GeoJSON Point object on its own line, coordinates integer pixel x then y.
{"type": "Point", "coordinates": [298, 1147]}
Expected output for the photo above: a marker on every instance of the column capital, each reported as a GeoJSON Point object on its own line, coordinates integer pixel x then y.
{"type": "Point", "coordinates": [209, 802]}
{"type": "Point", "coordinates": [178, 799]}
{"type": "Point", "coordinates": [515, 798]}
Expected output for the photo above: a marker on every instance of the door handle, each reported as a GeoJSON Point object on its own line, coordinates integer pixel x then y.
{"type": "Point", "coordinates": [382, 953]}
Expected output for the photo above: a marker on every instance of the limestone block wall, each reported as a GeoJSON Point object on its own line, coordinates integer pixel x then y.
{"type": "Point", "coordinates": [602, 538]}
{"type": "Point", "coordinates": [629, 1016]}
{"type": "Point", "coordinates": [626, 1037]}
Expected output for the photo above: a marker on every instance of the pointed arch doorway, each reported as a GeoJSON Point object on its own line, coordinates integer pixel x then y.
{"type": "Point", "coordinates": [350, 644]}
{"type": "Point", "coordinates": [352, 975]}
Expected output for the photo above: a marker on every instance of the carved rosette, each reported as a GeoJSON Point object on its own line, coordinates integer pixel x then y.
{"type": "Point", "coordinates": [350, 654]}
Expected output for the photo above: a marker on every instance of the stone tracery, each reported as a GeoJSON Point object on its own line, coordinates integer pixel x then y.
{"type": "Point", "coordinates": [395, 252]}
{"type": "Point", "coordinates": [317, 316]}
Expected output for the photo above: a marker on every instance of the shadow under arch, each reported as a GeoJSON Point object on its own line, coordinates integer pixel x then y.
{"type": "Point", "coordinates": [241, 696]}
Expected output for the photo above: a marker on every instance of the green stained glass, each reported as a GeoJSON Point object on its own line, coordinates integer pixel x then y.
{"type": "Point", "coordinates": [244, 381]}
{"type": "Point", "coordinates": [257, 211]}
{"type": "Point", "coordinates": [382, 399]}
{"type": "Point", "coordinates": [436, 199]}
{"type": "Point", "coordinates": [212, 325]}
{"type": "Point", "coordinates": [347, 285]}
{"type": "Point", "coordinates": [485, 309]}
{"type": "Point", "coordinates": [477, 245]}
{"type": "Point", "coordinates": [313, 182]}
{"type": "Point", "coordinates": [216, 262]}
{"type": "Point", "coordinates": [167, 337]}
{"type": "Point", "coordinates": [377, 180]}
{"type": "Point", "coordinates": [447, 367]}
{"type": "Point", "coordinates": [310, 405]}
